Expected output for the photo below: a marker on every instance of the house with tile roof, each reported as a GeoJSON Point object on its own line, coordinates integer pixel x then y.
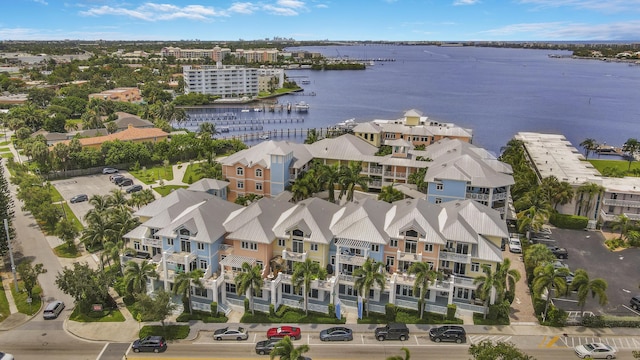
{"type": "Point", "coordinates": [130, 134]}
{"type": "Point", "coordinates": [125, 94]}
{"type": "Point", "coordinates": [125, 120]}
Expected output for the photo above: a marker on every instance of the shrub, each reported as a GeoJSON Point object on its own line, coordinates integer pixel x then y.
{"type": "Point", "coordinates": [390, 312]}
{"type": "Point", "coordinates": [272, 310]}
{"type": "Point", "coordinates": [332, 310]}
{"type": "Point", "coordinates": [214, 308]}
{"type": "Point", "coordinates": [568, 221]}
{"type": "Point", "coordinates": [451, 311]}
{"type": "Point", "coordinates": [598, 321]}
{"type": "Point", "coordinates": [246, 305]}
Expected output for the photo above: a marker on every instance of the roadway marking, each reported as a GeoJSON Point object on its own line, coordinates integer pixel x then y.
{"type": "Point", "coordinates": [617, 343]}
{"type": "Point", "coordinates": [552, 341]}
{"type": "Point", "coordinates": [473, 339]}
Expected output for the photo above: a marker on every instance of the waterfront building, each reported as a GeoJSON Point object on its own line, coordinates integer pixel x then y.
{"type": "Point", "coordinates": [228, 81]}
{"type": "Point", "coordinates": [131, 95]}
{"type": "Point", "coordinates": [269, 78]}
{"type": "Point", "coordinates": [130, 134]}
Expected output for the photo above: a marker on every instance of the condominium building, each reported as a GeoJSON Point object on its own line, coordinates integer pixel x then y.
{"type": "Point", "coordinates": [224, 81]}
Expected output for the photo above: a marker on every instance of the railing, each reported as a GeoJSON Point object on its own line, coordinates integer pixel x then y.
{"type": "Point", "coordinates": [375, 183]}
{"type": "Point", "coordinates": [451, 256]}
{"type": "Point", "coordinates": [375, 170]}
{"type": "Point", "coordinates": [348, 278]}
{"type": "Point", "coordinates": [407, 304]}
{"type": "Point", "coordinates": [223, 309]}
{"type": "Point", "coordinates": [408, 256]}
{"type": "Point", "coordinates": [441, 285]}
{"type": "Point", "coordinates": [376, 308]}
{"type": "Point", "coordinates": [152, 242]}
{"type": "Point", "coordinates": [437, 309]}
{"type": "Point", "coordinates": [298, 304]}
{"type": "Point", "coordinates": [352, 259]}
{"type": "Point", "coordinates": [500, 196]}
{"type": "Point", "coordinates": [470, 307]}
{"type": "Point", "coordinates": [475, 196]}
{"type": "Point", "coordinates": [294, 256]}
{"type": "Point", "coordinates": [624, 203]}
{"type": "Point", "coordinates": [236, 302]}
{"type": "Point", "coordinates": [226, 249]}
{"type": "Point", "coordinates": [464, 281]}
{"type": "Point", "coordinates": [319, 308]}
{"type": "Point", "coordinates": [261, 307]}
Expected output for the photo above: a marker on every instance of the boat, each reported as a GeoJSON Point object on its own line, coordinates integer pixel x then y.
{"type": "Point", "coordinates": [306, 82]}
{"type": "Point", "coordinates": [263, 137]}
{"type": "Point", "coordinates": [257, 109]}
{"type": "Point", "coordinates": [302, 107]}
{"type": "Point", "coordinates": [371, 63]}
{"type": "Point", "coordinates": [346, 125]}
{"type": "Point", "coordinates": [244, 110]}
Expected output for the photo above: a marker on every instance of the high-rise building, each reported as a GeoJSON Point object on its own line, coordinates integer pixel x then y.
{"type": "Point", "coordinates": [226, 81]}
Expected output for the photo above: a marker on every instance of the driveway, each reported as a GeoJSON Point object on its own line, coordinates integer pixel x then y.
{"type": "Point", "coordinates": [522, 306]}
{"type": "Point", "coordinates": [619, 269]}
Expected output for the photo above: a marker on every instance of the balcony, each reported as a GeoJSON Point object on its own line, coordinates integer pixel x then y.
{"type": "Point", "coordinates": [375, 170]}
{"type": "Point", "coordinates": [408, 256]}
{"type": "Point", "coordinates": [623, 203]}
{"type": "Point", "coordinates": [151, 242]}
{"type": "Point", "coordinates": [352, 259]}
{"type": "Point", "coordinates": [452, 256]}
{"type": "Point", "coordinates": [182, 257]}
{"type": "Point", "coordinates": [474, 196]}
{"type": "Point", "coordinates": [294, 256]}
{"type": "Point", "coordinates": [500, 196]}
{"type": "Point", "coordinates": [225, 249]}
{"type": "Point", "coordinates": [464, 281]}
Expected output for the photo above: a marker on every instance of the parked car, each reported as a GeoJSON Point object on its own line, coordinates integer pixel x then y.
{"type": "Point", "coordinates": [124, 182]}
{"type": "Point", "coordinates": [515, 246]}
{"type": "Point", "coordinates": [115, 177]}
{"type": "Point", "coordinates": [595, 351]}
{"type": "Point", "coordinates": [635, 302]}
{"type": "Point", "coordinates": [282, 331]}
{"type": "Point", "coordinates": [231, 333]}
{"type": "Point", "coordinates": [5, 356]}
{"type": "Point", "coordinates": [451, 333]}
{"type": "Point", "coordinates": [79, 198]}
{"type": "Point", "coordinates": [53, 310]}
{"type": "Point", "coordinates": [569, 278]}
{"type": "Point", "coordinates": [264, 347]}
{"type": "Point", "coordinates": [559, 264]}
{"type": "Point", "coordinates": [109, 170]}
{"type": "Point", "coordinates": [560, 253]}
{"type": "Point", "coordinates": [118, 180]}
{"type": "Point", "coordinates": [337, 333]}
{"type": "Point", "coordinates": [134, 188]}
{"type": "Point", "coordinates": [154, 344]}
{"type": "Point", "coordinates": [392, 331]}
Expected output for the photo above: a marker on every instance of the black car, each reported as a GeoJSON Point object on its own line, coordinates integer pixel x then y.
{"type": "Point", "coordinates": [635, 302]}
{"type": "Point", "coordinates": [134, 188]}
{"type": "Point", "coordinates": [79, 198]}
{"type": "Point", "coordinates": [264, 347]}
{"type": "Point", "coordinates": [124, 182]}
{"type": "Point", "coordinates": [154, 344]}
{"type": "Point", "coordinates": [451, 333]}
{"type": "Point", "coordinates": [115, 177]}
{"type": "Point", "coordinates": [393, 331]}
{"type": "Point", "coordinates": [560, 253]}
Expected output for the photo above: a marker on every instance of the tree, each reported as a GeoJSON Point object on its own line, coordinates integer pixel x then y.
{"type": "Point", "coordinates": [137, 274]}
{"type": "Point", "coordinates": [486, 350]}
{"type": "Point", "coordinates": [67, 232]}
{"type": "Point", "coordinates": [287, 351]}
{"type": "Point", "coordinates": [407, 355]}
{"type": "Point", "coordinates": [142, 198]}
{"type": "Point", "coordinates": [155, 308]}
{"type": "Point", "coordinates": [506, 279]}
{"type": "Point", "coordinates": [536, 255]}
{"type": "Point", "coordinates": [583, 285]}
{"type": "Point", "coordinates": [182, 285]}
{"type": "Point", "coordinates": [208, 130]}
{"type": "Point", "coordinates": [329, 177]}
{"type": "Point", "coordinates": [350, 178]}
{"type": "Point", "coordinates": [304, 187]}
{"type": "Point", "coordinates": [589, 145]}
{"type": "Point", "coordinates": [485, 284]}
{"type": "Point", "coordinates": [390, 194]}
{"type": "Point", "coordinates": [6, 209]}
{"type": "Point", "coordinates": [585, 195]}
{"type": "Point", "coordinates": [622, 223]}
{"type": "Point", "coordinates": [546, 278]}
{"type": "Point", "coordinates": [424, 277]}
{"type": "Point", "coordinates": [312, 136]}
{"type": "Point", "coordinates": [85, 285]}
{"type": "Point", "coordinates": [29, 274]}
{"type": "Point", "coordinates": [367, 276]}
{"type": "Point", "coordinates": [211, 170]}
{"type": "Point", "coordinates": [250, 278]}
{"type": "Point", "coordinates": [631, 147]}
{"type": "Point", "coordinates": [303, 274]}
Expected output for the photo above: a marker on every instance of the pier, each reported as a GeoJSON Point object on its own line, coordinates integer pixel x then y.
{"type": "Point", "coordinates": [284, 133]}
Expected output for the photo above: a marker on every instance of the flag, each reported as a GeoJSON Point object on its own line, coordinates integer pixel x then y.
{"type": "Point", "coordinates": [338, 312]}
{"type": "Point", "coordinates": [359, 307]}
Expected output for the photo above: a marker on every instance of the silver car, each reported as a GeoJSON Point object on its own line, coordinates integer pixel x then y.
{"type": "Point", "coordinates": [338, 333]}
{"type": "Point", "coordinates": [595, 351]}
{"type": "Point", "coordinates": [231, 333]}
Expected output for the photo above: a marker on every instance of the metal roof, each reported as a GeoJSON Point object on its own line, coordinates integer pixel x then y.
{"type": "Point", "coordinates": [255, 222]}
{"type": "Point", "coordinates": [313, 214]}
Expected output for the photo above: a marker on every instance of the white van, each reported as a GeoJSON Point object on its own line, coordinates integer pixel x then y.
{"type": "Point", "coordinates": [53, 309]}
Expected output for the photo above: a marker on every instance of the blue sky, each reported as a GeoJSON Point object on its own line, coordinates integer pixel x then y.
{"type": "Point", "coordinates": [439, 20]}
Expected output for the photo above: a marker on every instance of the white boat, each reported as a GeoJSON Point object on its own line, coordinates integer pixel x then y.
{"type": "Point", "coordinates": [302, 107]}
{"type": "Point", "coordinates": [244, 110]}
{"type": "Point", "coordinates": [257, 109]}
{"type": "Point", "coordinates": [305, 82]}
{"type": "Point", "coordinates": [263, 137]}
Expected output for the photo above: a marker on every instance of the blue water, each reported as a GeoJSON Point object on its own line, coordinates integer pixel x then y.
{"type": "Point", "coordinates": [497, 92]}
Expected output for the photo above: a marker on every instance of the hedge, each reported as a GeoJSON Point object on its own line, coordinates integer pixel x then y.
{"type": "Point", "coordinates": [598, 321]}
{"type": "Point", "coordinates": [569, 221]}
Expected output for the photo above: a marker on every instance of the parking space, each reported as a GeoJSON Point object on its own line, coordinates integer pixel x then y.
{"type": "Point", "coordinates": [91, 185]}
{"type": "Point", "coordinates": [616, 342]}
{"type": "Point", "coordinates": [620, 269]}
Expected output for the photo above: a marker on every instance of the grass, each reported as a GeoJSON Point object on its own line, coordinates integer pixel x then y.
{"type": "Point", "coordinates": [408, 317]}
{"type": "Point", "coordinates": [170, 332]}
{"type": "Point", "coordinates": [4, 149]}
{"type": "Point", "coordinates": [64, 251]}
{"type": "Point", "coordinates": [4, 306]}
{"type": "Point", "coordinates": [97, 316]}
{"type": "Point", "coordinates": [203, 316]}
{"type": "Point", "coordinates": [72, 217]}
{"type": "Point", "coordinates": [6, 155]}
{"type": "Point", "coordinates": [290, 315]}
{"type": "Point", "coordinates": [478, 319]}
{"type": "Point", "coordinates": [191, 174]}
{"type": "Point", "coordinates": [167, 189]}
{"type": "Point", "coordinates": [20, 298]}
{"type": "Point", "coordinates": [619, 165]}
{"type": "Point", "coordinates": [151, 175]}
{"type": "Point", "coordinates": [55, 194]}
{"type": "Point", "coordinates": [4, 143]}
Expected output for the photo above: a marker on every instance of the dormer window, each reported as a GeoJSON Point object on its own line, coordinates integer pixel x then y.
{"type": "Point", "coordinates": [411, 233]}
{"type": "Point", "coordinates": [240, 171]}
{"type": "Point", "coordinates": [298, 233]}
{"type": "Point", "coordinates": [185, 232]}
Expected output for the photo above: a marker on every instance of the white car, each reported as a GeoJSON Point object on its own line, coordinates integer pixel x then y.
{"type": "Point", "coordinates": [515, 246]}
{"type": "Point", "coordinates": [595, 351]}
{"type": "Point", "coordinates": [5, 356]}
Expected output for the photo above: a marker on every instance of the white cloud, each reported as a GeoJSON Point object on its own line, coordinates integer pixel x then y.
{"type": "Point", "coordinates": [43, 2]}
{"type": "Point", "coordinates": [291, 4]}
{"type": "Point", "coordinates": [607, 6]}
{"type": "Point", "coordinates": [568, 31]}
{"type": "Point", "coordinates": [465, 2]}
{"type": "Point", "coordinates": [153, 12]}
{"type": "Point", "coordinates": [282, 11]}
{"type": "Point", "coordinates": [243, 8]}
{"type": "Point", "coordinates": [322, 6]}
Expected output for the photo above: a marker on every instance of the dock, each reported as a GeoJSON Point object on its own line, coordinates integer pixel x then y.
{"type": "Point", "coordinates": [285, 133]}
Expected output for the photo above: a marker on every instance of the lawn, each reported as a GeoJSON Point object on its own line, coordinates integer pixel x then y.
{"type": "Point", "coordinates": [72, 217]}
{"type": "Point", "coordinates": [408, 317]}
{"type": "Point", "coordinates": [4, 143]}
{"type": "Point", "coordinates": [191, 175]}
{"type": "Point", "coordinates": [289, 315]}
{"type": "Point", "coordinates": [64, 251]}
{"type": "Point", "coordinates": [20, 298]}
{"type": "Point", "coordinates": [152, 174]}
{"type": "Point", "coordinates": [4, 306]}
{"type": "Point", "coordinates": [167, 189]}
{"type": "Point", "coordinates": [6, 155]}
{"type": "Point", "coordinates": [4, 149]}
{"type": "Point", "coordinates": [97, 316]}
{"type": "Point", "coordinates": [620, 165]}
{"type": "Point", "coordinates": [55, 194]}
{"type": "Point", "coordinates": [478, 319]}
{"type": "Point", "coordinates": [170, 332]}
{"type": "Point", "coordinates": [202, 316]}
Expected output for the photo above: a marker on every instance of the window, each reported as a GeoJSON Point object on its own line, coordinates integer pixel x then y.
{"type": "Point", "coordinates": [438, 201]}
{"type": "Point", "coordinates": [428, 247]}
{"type": "Point", "coordinates": [239, 171]}
{"type": "Point", "coordinates": [249, 245]}
{"type": "Point", "coordinates": [444, 264]}
{"type": "Point", "coordinates": [200, 246]}
{"type": "Point", "coordinates": [282, 242]}
{"type": "Point", "coordinates": [170, 241]}
{"type": "Point", "coordinates": [298, 246]}
{"type": "Point", "coordinates": [439, 186]}
{"type": "Point", "coordinates": [475, 267]}
{"type": "Point", "coordinates": [259, 173]}
{"type": "Point", "coordinates": [258, 186]}
{"type": "Point", "coordinates": [200, 292]}
{"type": "Point", "coordinates": [393, 243]}
{"type": "Point", "coordinates": [240, 184]}
{"type": "Point", "coordinates": [230, 287]}
{"type": "Point", "coordinates": [203, 264]}
{"type": "Point", "coordinates": [260, 264]}
{"type": "Point", "coordinates": [314, 247]}
{"type": "Point", "coordinates": [375, 248]}
{"type": "Point", "coordinates": [391, 261]}
{"type": "Point", "coordinates": [136, 245]}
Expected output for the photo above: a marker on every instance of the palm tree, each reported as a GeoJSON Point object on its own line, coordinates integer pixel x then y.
{"type": "Point", "coordinates": [96, 232]}
{"type": "Point", "coordinates": [562, 194]}
{"type": "Point", "coordinates": [585, 195]}
{"type": "Point", "coordinates": [137, 274]}
{"type": "Point", "coordinates": [367, 276]}
{"type": "Point", "coordinates": [407, 355]}
{"type": "Point", "coordinates": [424, 277]}
{"type": "Point", "coordinates": [303, 274]}
{"type": "Point", "coordinates": [287, 351]}
{"type": "Point", "coordinates": [547, 278]}
{"type": "Point", "coordinates": [116, 199]}
{"type": "Point", "coordinates": [536, 255]}
{"type": "Point", "coordinates": [184, 281]}
{"type": "Point", "coordinates": [532, 219]}
{"type": "Point", "coordinates": [389, 194]}
{"type": "Point", "coordinates": [304, 187]}
{"type": "Point", "coordinates": [485, 284]}
{"type": "Point", "coordinates": [351, 177]}
{"type": "Point", "coordinates": [208, 130]}
{"type": "Point", "coordinates": [330, 176]}
{"type": "Point", "coordinates": [211, 170]}
{"type": "Point", "coordinates": [312, 136]}
{"type": "Point", "coordinates": [249, 279]}
{"type": "Point", "coordinates": [631, 147]}
{"type": "Point", "coordinates": [623, 223]}
{"type": "Point", "coordinates": [141, 198]}
{"type": "Point", "coordinates": [589, 145]}
{"type": "Point", "coordinates": [507, 279]}
{"type": "Point", "coordinates": [583, 285]}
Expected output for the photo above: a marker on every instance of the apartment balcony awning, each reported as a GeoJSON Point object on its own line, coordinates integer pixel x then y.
{"type": "Point", "coordinates": [236, 261]}
{"type": "Point", "coordinates": [352, 243]}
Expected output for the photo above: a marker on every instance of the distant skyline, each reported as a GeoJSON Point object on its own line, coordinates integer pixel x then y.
{"type": "Point", "coordinates": [304, 20]}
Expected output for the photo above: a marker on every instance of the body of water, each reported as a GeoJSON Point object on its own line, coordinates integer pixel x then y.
{"type": "Point", "coordinates": [496, 92]}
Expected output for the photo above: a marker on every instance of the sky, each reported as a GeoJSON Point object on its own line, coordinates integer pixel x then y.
{"type": "Point", "coordinates": [305, 20]}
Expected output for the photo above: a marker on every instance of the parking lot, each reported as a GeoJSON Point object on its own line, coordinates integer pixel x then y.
{"type": "Point", "coordinates": [619, 269]}
{"type": "Point", "coordinates": [91, 185]}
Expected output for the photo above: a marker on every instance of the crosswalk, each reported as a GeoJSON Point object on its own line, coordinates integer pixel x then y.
{"type": "Point", "coordinates": [618, 342]}
{"type": "Point", "coordinates": [474, 339]}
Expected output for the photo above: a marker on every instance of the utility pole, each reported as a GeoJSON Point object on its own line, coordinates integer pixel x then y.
{"type": "Point", "coordinates": [13, 265]}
